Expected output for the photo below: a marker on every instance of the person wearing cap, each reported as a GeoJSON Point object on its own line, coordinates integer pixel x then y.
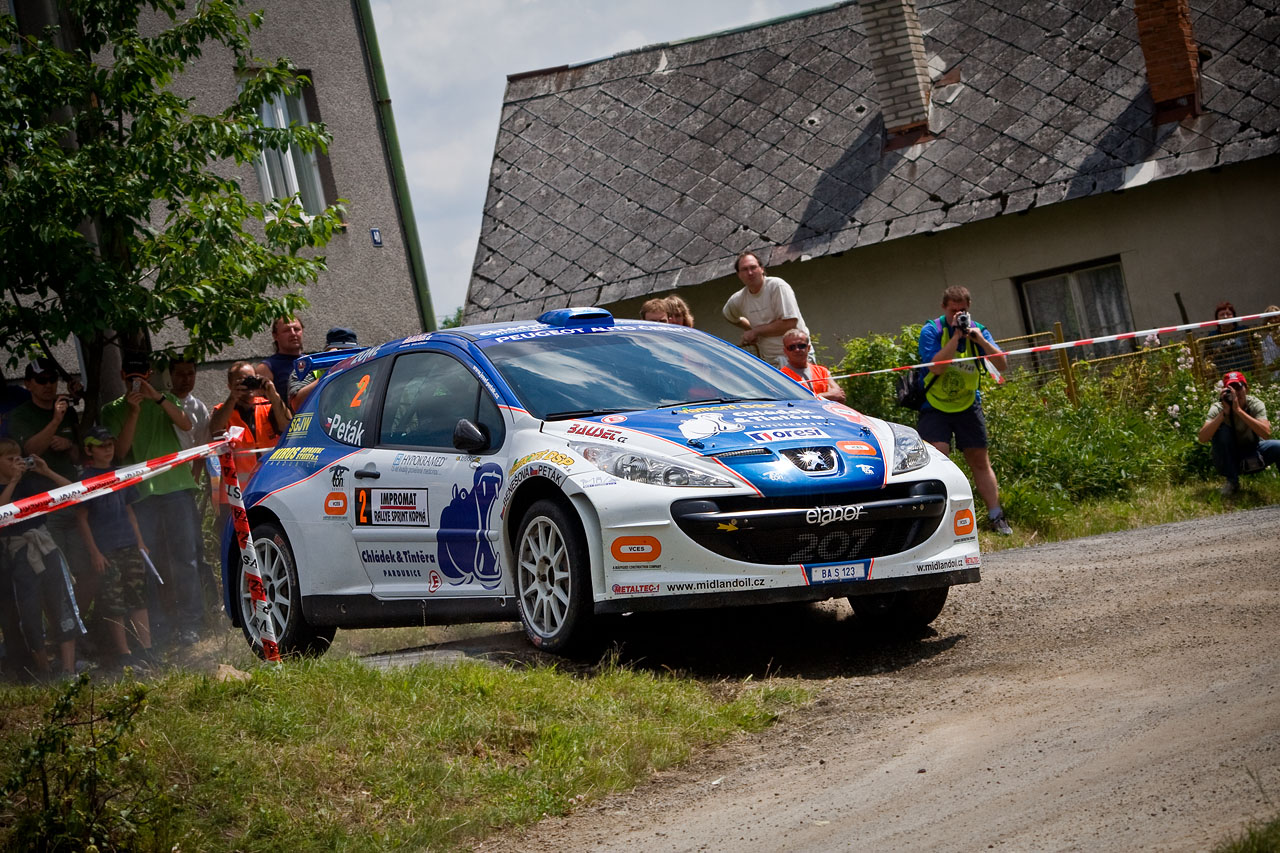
{"type": "Point", "coordinates": [143, 422]}
{"type": "Point", "coordinates": [300, 388]}
{"type": "Point", "coordinates": [116, 592]}
{"type": "Point", "coordinates": [1239, 432]}
{"type": "Point", "coordinates": [48, 426]}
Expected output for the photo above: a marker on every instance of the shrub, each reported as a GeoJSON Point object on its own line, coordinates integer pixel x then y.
{"type": "Point", "coordinates": [77, 783]}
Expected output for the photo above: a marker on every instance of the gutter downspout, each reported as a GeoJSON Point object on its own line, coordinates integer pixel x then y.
{"type": "Point", "coordinates": [391, 147]}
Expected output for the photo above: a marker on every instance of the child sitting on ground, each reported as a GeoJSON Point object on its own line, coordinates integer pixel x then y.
{"type": "Point", "coordinates": [111, 536]}
{"type": "Point", "coordinates": [36, 568]}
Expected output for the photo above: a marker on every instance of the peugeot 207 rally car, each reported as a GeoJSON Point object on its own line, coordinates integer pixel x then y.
{"type": "Point", "coordinates": [579, 465]}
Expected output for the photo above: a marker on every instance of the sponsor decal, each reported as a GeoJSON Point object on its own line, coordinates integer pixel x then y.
{"type": "Point", "coordinates": [591, 481]}
{"type": "Point", "coordinates": [392, 508]}
{"type": "Point", "coordinates": [774, 476]}
{"type": "Point", "coordinates": [418, 463]}
{"type": "Point", "coordinates": [299, 425]}
{"type": "Point", "coordinates": [636, 549]}
{"type": "Point", "coordinates": [297, 455]}
{"type": "Point", "coordinates": [824, 515]}
{"type": "Point", "coordinates": [973, 560]}
{"type": "Point", "coordinates": [866, 469]}
{"type": "Point", "coordinates": [728, 528]}
{"type": "Point", "coordinates": [634, 588]}
{"type": "Point", "coordinates": [535, 469]}
{"type": "Point", "coordinates": [466, 554]}
{"type": "Point", "coordinates": [856, 448]}
{"type": "Point", "coordinates": [835, 574]}
{"type": "Point", "coordinates": [963, 522]}
{"type": "Point", "coordinates": [705, 424]}
{"type": "Point", "coordinates": [783, 434]}
{"type": "Point", "coordinates": [552, 456]}
{"type": "Point", "coordinates": [851, 415]}
{"type": "Point", "coordinates": [433, 581]}
{"type": "Point", "coordinates": [347, 430]}
{"type": "Point", "coordinates": [362, 357]}
{"type": "Point", "coordinates": [613, 419]}
{"type": "Point", "coordinates": [704, 586]}
{"type": "Point", "coordinates": [338, 475]}
{"type": "Point", "coordinates": [780, 417]}
{"type": "Point", "coordinates": [417, 339]}
{"type": "Point", "coordinates": [941, 565]}
{"type": "Point", "coordinates": [335, 503]}
{"type": "Point", "coordinates": [411, 557]}
{"type": "Point", "coordinates": [593, 431]}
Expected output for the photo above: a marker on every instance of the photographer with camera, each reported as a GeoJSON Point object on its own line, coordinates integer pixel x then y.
{"type": "Point", "coordinates": [254, 404]}
{"type": "Point", "coordinates": [953, 403]}
{"type": "Point", "coordinates": [1239, 432]}
{"type": "Point", "coordinates": [143, 421]}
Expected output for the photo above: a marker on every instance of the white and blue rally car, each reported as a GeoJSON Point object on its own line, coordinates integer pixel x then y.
{"type": "Point", "coordinates": [578, 465]}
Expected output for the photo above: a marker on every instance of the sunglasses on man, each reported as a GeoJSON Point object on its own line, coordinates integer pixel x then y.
{"type": "Point", "coordinates": [44, 380]}
{"type": "Point", "coordinates": [797, 347]}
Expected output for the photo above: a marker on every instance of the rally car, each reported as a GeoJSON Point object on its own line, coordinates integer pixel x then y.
{"type": "Point", "coordinates": [555, 470]}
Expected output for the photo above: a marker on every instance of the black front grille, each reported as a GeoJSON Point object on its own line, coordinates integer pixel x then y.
{"type": "Point", "coordinates": [827, 527]}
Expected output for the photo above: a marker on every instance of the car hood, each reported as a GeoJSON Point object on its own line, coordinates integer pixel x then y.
{"type": "Point", "coordinates": [777, 447]}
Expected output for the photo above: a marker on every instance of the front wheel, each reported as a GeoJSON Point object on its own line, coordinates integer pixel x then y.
{"type": "Point", "coordinates": [907, 611]}
{"type": "Point", "coordinates": [294, 635]}
{"type": "Point", "coordinates": [553, 577]}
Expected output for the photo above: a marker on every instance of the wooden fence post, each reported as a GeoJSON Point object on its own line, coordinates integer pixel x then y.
{"type": "Point", "coordinates": [1065, 364]}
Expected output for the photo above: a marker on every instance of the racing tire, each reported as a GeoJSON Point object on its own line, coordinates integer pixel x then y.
{"type": "Point", "coordinates": [907, 611]}
{"type": "Point", "coordinates": [553, 578]}
{"type": "Point", "coordinates": [279, 572]}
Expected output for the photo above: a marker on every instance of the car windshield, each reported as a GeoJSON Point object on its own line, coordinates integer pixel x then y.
{"type": "Point", "coordinates": [621, 370]}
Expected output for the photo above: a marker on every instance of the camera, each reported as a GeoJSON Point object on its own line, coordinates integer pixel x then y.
{"type": "Point", "coordinates": [1228, 396]}
{"type": "Point", "coordinates": [29, 462]}
{"type": "Point", "coordinates": [964, 322]}
{"type": "Point", "coordinates": [251, 383]}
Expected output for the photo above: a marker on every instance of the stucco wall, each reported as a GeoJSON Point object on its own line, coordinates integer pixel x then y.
{"type": "Point", "coordinates": [1210, 236]}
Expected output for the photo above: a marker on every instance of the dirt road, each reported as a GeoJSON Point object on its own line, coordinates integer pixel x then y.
{"type": "Point", "coordinates": [1115, 693]}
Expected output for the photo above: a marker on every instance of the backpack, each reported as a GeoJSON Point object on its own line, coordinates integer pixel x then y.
{"type": "Point", "coordinates": [910, 393]}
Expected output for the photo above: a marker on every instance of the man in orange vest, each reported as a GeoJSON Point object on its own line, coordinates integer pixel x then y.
{"type": "Point", "coordinates": [257, 407]}
{"type": "Point", "coordinates": [815, 377]}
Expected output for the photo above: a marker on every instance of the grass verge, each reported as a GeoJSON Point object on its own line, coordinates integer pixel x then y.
{"type": "Point", "coordinates": [335, 755]}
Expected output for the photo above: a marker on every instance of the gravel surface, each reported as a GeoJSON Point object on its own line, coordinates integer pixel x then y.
{"type": "Point", "coordinates": [1114, 693]}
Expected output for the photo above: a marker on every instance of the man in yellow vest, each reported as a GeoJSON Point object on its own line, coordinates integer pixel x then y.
{"type": "Point", "coordinates": [953, 402]}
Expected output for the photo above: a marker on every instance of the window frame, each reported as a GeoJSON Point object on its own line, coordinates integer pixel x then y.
{"type": "Point", "coordinates": [1083, 331]}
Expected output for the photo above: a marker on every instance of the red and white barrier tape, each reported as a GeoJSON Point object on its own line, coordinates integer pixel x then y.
{"type": "Point", "coordinates": [102, 484]}
{"type": "Point", "coordinates": [114, 481]}
{"type": "Point", "coordinates": [1124, 336]}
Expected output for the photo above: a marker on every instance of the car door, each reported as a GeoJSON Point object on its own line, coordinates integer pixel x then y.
{"type": "Point", "coordinates": [426, 516]}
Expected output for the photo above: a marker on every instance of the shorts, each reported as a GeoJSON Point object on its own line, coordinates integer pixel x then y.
{"type": "Point", "coordinates": [124, 584]}
{"type": "Point", "coordinates": [968, 426]}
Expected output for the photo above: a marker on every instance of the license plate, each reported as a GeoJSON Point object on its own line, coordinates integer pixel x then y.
{"type": "Point", "coordinates": [835, 574]}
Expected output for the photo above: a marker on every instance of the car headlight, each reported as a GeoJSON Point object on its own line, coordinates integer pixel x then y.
{"type": "Point", "coordinates": [642, 468]}
{"type": "Point", "coordinates": [909, 450]}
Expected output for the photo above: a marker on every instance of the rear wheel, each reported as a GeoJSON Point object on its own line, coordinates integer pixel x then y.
{"type": "Point", "coordinates": [294, 636]}
{"type": "Point", "coordinates": [553, 577]}
{"type": "Point", "coordinates": [906, 611]}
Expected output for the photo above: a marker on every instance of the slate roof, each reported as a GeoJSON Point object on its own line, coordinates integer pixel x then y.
{"type": "Point", "coordinates": [653, 169]}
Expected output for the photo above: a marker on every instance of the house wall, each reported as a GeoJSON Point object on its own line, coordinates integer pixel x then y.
{"type": "Point", "coordinates": [1210, 236]}
{"type": "Point", "coordinates": [366, 288]}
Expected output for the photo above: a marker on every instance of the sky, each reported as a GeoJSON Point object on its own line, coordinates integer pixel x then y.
{"type": "Point", "coordinates": [447, 65]}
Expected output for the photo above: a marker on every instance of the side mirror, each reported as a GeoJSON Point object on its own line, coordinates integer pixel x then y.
{"type": "Point", "coordinates": [469, 437]}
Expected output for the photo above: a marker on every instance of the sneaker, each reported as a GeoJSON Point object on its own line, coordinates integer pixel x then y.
{"type": "Point", "coordinates": [1001, 525]}
{"type": "Point", "coordinates": [1229, 488]}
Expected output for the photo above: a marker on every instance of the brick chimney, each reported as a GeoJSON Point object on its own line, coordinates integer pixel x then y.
{"type": "Point", "coordinates": [1173, 63]}
{"type": "Point", "coordinates": [902, 72]}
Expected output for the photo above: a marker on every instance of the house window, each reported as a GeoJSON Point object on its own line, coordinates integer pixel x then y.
{"type": "Point", "coordinates": [292, 171]}
{"type": "Point", "coordinates": [1090, 301]}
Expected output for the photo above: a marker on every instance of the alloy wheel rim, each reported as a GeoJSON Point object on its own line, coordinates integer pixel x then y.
{"type": "Point", "coordinates": [275, 580]}
{"type": "Point", "coordinates": [544, 577]}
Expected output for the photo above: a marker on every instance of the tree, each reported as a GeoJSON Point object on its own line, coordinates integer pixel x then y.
{"type": "Point", "coordinates": [118, 217]}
